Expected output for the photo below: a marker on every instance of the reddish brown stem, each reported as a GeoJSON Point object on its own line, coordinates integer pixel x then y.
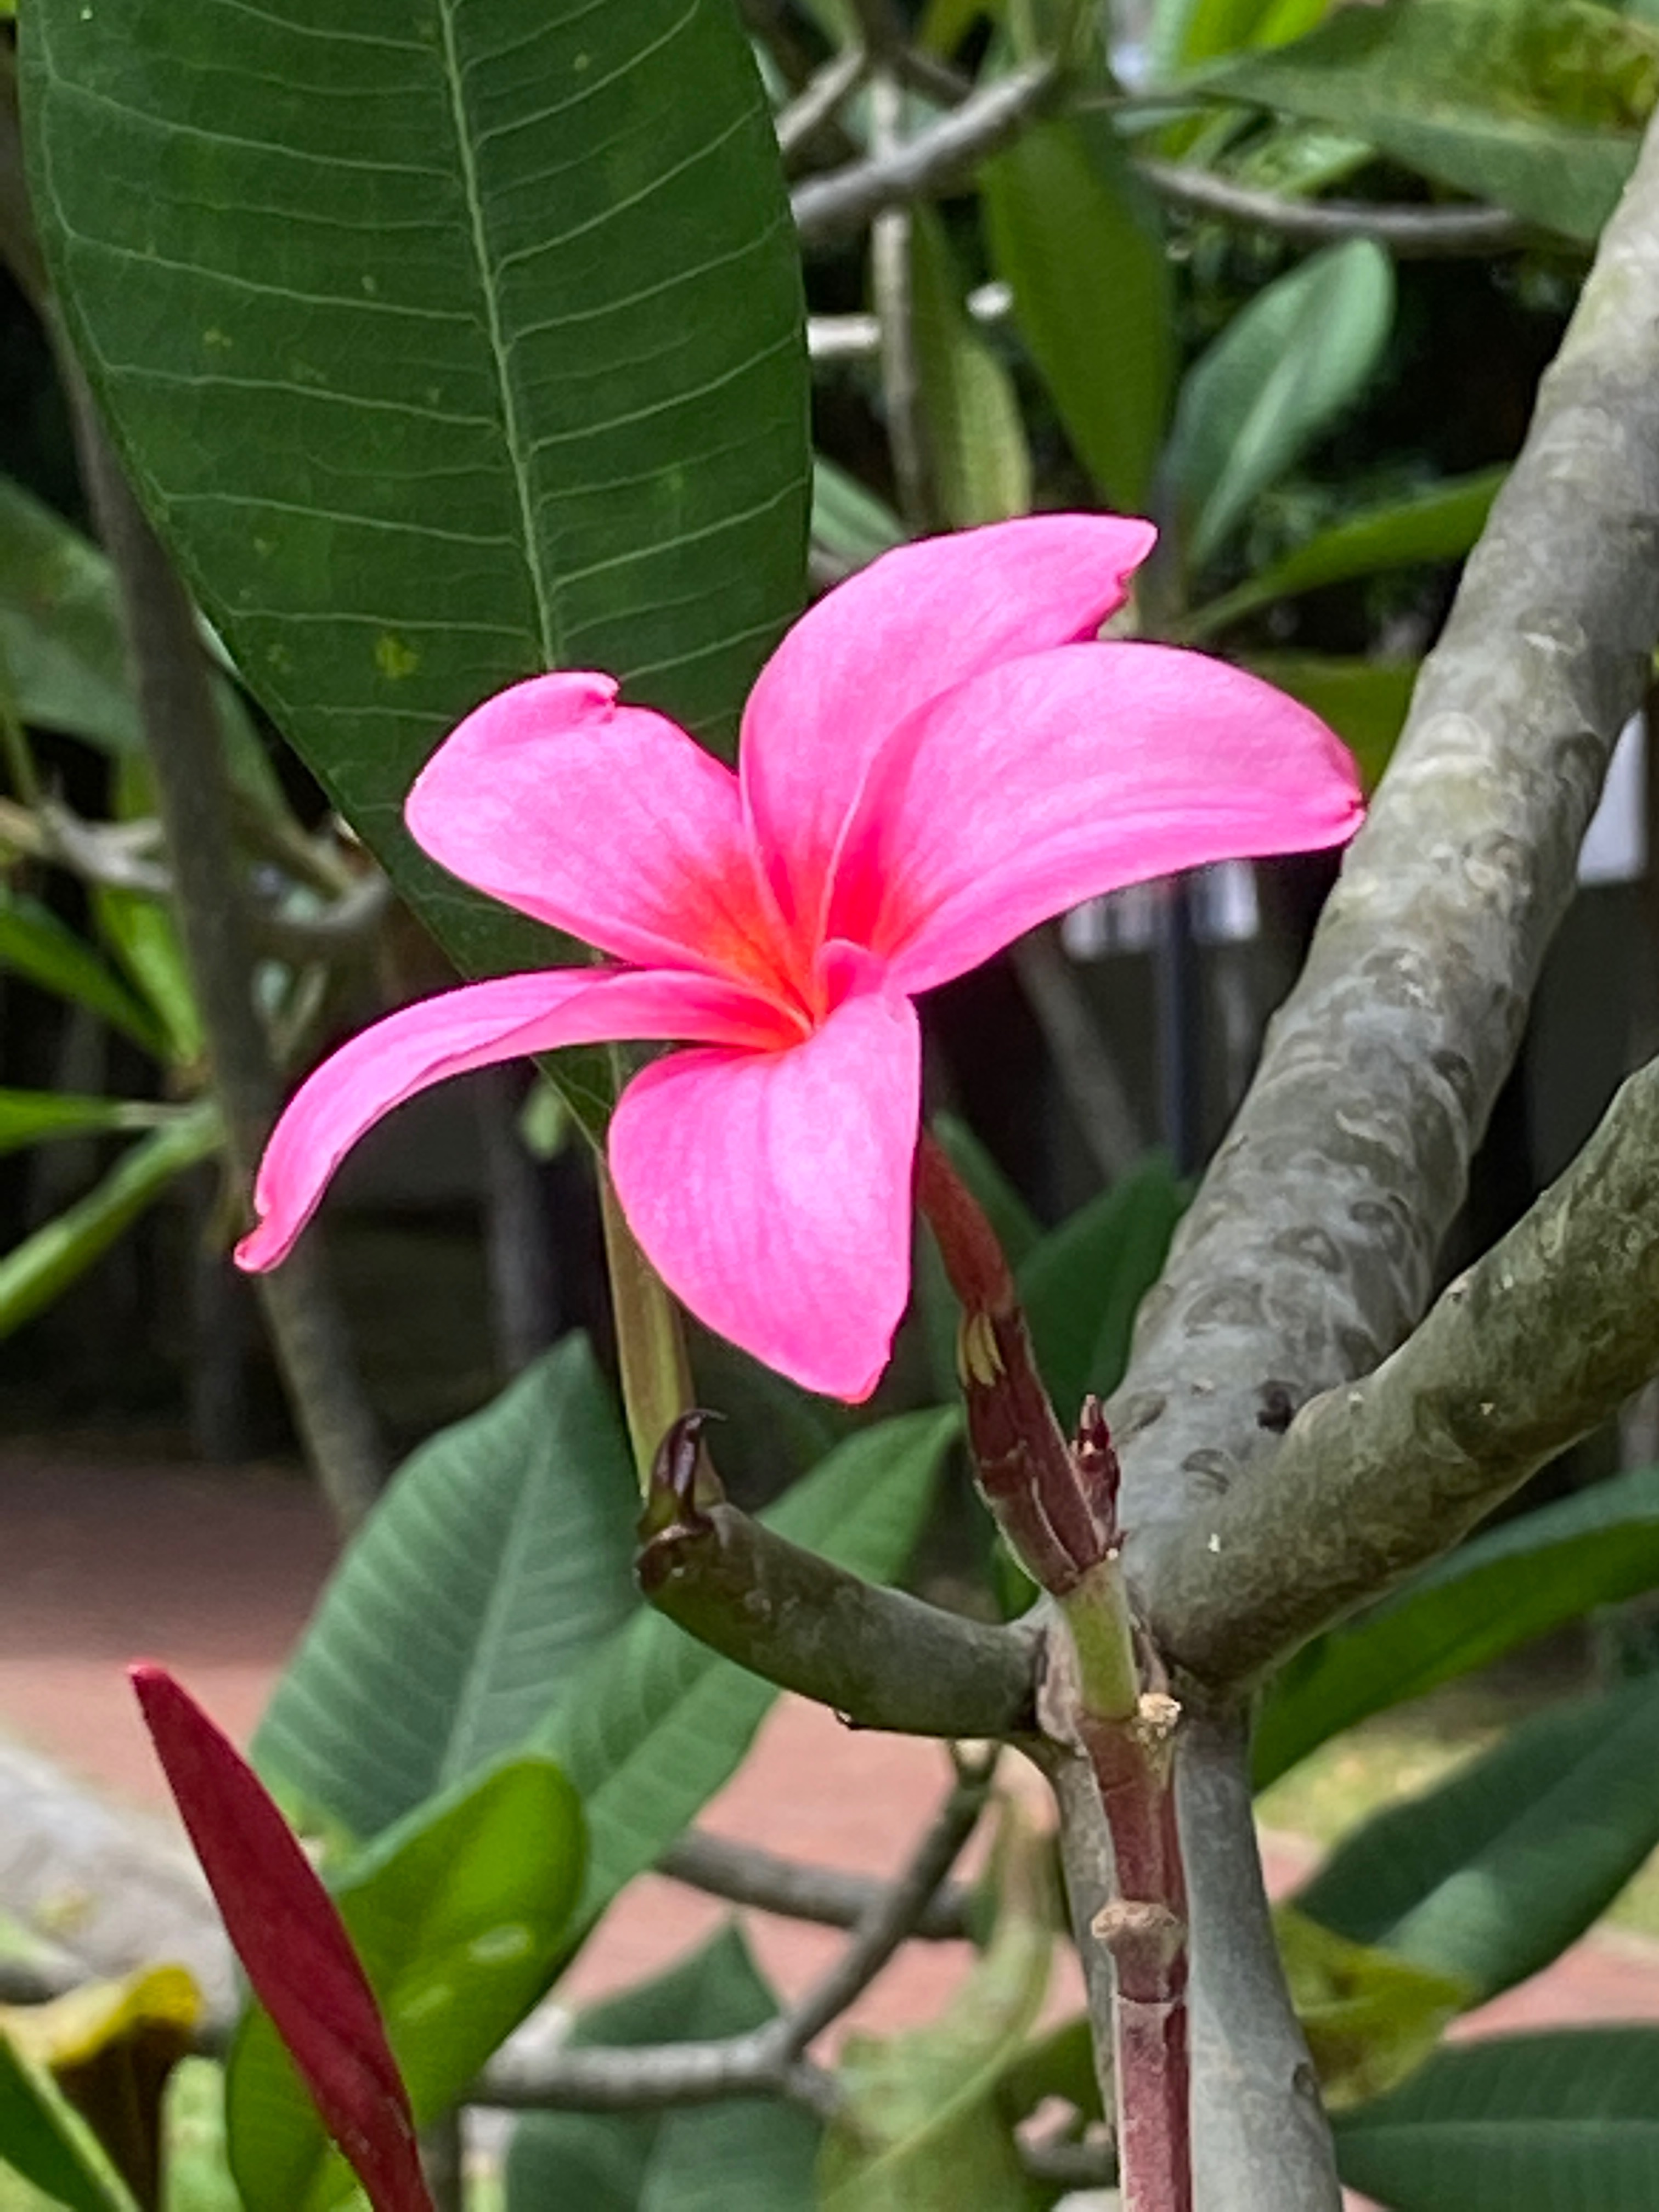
{"type": "Point", "coordinates": [1144, 1929]}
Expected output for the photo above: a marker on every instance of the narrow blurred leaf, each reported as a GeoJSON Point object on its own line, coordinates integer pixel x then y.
{"type": "Point", "coordinates": [458, 1915]}
{"type": "Point", "coordinates": [1076, 238]}
{"type": "Point", "coordinates": [1364, 701]}
{"type": "Point", "coordinates": [62, 647]}
{"type": "Point", "coordinates": [288, 1936]}
{"type": "Point", "coordinates": [1082, 1286]}
{"type": "Point", "coordinates": [1441, 525]}
{"type": "Point", "coordinates": [35, 1272]}
{"type": "Point", "coordinates": [1491, 1874]}
{"type": "Point", "coordinates": [922, 2129]}
{"type": "Point", "coordinates": [1199, 30]}
{"type": "Point", "coordinates": [35, 944]}
{"type": "Point", "coordinates": [43, 2139]}
{"type": "Point", "coordinates": [1370, 2018]}
{"type": "Point", "coordinates": [500, 1557]}
{"type": "Point", "coordinates": [1285, 367]}
{"type": "Point", "coordinates": [490, 325]}
{"type": "Point", "coordinates": [848, 521]}
{"type": "Point", "coordinates": [655, 1723]}
{"type": "Point", "coordinates": [1518, 2124]}
{"type": "Point", "coordinates": [142, 934]}
{"type": "Point", "coordinates": [975, 439]}
{"type": "Point", "coordinates": [30, 1118]}
{"type": "Point", "coordinates": [1538, 107]}
{"type": "Point", "coordinates": [748, 2155]}
{"type": "Point", "coordinates": [1492, 1595]}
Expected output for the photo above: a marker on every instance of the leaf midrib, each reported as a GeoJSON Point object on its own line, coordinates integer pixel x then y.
{"type": "Point", "coordinates": [541, 589]}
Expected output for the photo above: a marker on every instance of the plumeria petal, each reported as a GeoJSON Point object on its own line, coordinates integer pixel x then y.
{"type": "Point", "coordinates": [772, 1191]}
{"type": "Point", "coordinates": [287, 1933]}
{"type": "Point", "coordinates": [1068, 773]}
{"type": "Point", "coordinates": [606, 821]}
{"type": "Point", "coordinates": [473, 1027]}
{"type": "Point", "coordinates": [914, 623]}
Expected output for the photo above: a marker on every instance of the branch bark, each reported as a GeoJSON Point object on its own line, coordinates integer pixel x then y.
{"type": "Point", "coordinates": [1410, 234]}
{"type": "Point", "coordinates": [742, 1874]}
{"type": "Point", "coordinates": [1310, 1250]}
{"type": "Point", "coordinates": [879, 1657]}
{"type": "Point", "coordinates": [1525, 1353]}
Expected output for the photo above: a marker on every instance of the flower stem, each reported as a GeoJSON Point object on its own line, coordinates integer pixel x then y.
{"type": "Point", "coordinates": [656, 1374]}
{"type": "Point", "coordinates": [1056, 1503]}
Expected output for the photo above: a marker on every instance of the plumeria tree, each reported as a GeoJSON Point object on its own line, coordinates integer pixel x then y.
{"type": "Point", "coordinates": [456, 358]}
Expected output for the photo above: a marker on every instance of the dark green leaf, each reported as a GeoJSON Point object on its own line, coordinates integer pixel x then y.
{"type": "Point", "coordinates": [1079, 242]}
{"type": "Point", "coordinates": [457, 1915]}
{"type": "Point", "coordinates": [975, 441]}
{"type": "Point", "coordinates": [449, 344]}
{"type": "Point", "coordinates": [35, 1272]}
{"type": "Point", "coordinates": [500, 1557]}
{"type": "Point", "coordinates": [35, 944]}
{"type": "Point", "coordinates": [1490, 1596]}
{"type": "Point", "coordinates": [1490, 1875]}
{"type": "Point", "coordinates": [1364, 701]}
{"type": "Point", "coordinates": [655, 1723]}
{"type": "Point", "coordinates": [1441, 525]}
{"type": "Point", "coordinates": [1536, 106]}
{"type": "Point", "coordinates": [1558, 2123]}
{"type": "Point", "coordinates": [1083, 1285]}
{"type": "Point", "coordinates": [750, 2156]}
{"type": "Point", "coordinates": [42, 2139]}
{"type": "Point", "coordinates": [1279, 374]}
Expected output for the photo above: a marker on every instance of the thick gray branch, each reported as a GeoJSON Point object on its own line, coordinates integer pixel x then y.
{"type": "Point", "coordinates": [878, 1656]}
{"type": "Point", "coordinates": [1525, 1351]}
{"type": "Point", "coordinates": [1259, 2131]}
{"type": "Point", "coordinates": [1310, 1250]}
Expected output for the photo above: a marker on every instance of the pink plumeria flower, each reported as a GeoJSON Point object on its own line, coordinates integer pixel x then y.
{"type": "Point", "coordinates": [938, 757]}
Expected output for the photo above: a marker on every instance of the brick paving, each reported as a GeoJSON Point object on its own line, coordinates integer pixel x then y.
{"type": "Point", "coordinates": [103, 1560]}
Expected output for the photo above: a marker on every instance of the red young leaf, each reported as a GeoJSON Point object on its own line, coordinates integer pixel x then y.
{"type": "Point", "coordinates": [284, 1928]}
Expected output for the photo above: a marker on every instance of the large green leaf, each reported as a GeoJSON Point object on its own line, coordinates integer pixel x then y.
{"type": "Point", "coordinates": [1364, 701]}
{"type": "Point", "coordinates": [457, 1915]}
{"type": "Point", "coordinates": [1083, 1285]}
{"type": "Point", "coordinates": [1077, 241]}
{"type": "Point", "coordinates": [501, 1556]}
{"type": "Point", "coordinates": [35, 945]}
{"type": "Point", "coordinates": [1535, 104]}
{"type": "Point", "coordinates": [748, 2155]}
{"type": "Point", "coordinates": [450, 340]}
{"type": "Point", "coordinates": [655, 1723]}
{"type": "Point", "coordinates": [1277, 377]}
{"type": "Point", "coordinates": [980, 466]}
{"type": "Point", "coordinates": [35, 1272]}
{"type": "Point", "coordinates": [1491, 1874]}
{"type": "Point", "coordinates": [1440, 525]}
{"type": "Point", "coordinates": [42, 2139]}
{"type": "Point", "coordinates": [1566, 2121]}
{"type": "Point", "coordinates": [1490, 1596]}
